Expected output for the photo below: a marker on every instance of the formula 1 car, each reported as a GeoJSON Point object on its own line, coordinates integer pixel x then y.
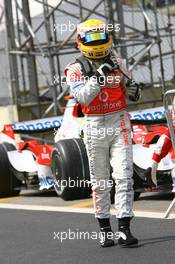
{"type": "Point", "coordinates": [64, 165]}
{"type": "Point", "coordinates": [23, 163]}
{"type": "Point", "coordinates": [147, 126]}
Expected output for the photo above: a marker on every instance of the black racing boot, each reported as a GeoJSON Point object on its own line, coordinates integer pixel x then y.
{"type": "Point", "coordinates": [126, 239]}
{"type": "Point", "coordinates": [106, 234]}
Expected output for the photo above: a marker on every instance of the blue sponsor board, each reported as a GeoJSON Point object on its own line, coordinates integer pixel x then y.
{"type": "Point", "coordinates": [56, 122]}
{"type": "Point", "coordinates": [148, 114]}
{"type": "Point", "coordinates": [40, 124]}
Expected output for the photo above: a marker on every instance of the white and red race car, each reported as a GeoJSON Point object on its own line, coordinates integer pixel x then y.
{"type": "Point", "coordinates": [64, 165]}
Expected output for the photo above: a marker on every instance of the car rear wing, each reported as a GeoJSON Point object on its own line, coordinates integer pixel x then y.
{"type": "Point", "coordinates": [154, 116]}
{"type": "Point", "coordinates": [145, 122]}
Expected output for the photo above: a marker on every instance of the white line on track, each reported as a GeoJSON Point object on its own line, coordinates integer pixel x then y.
{"type": "Point", "coordinates": [77, 210]}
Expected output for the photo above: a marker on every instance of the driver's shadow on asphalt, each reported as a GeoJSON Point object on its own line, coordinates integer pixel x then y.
{"type": "Point", "coordinates": [156, 240]}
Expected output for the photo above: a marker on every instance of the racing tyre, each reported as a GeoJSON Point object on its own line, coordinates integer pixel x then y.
{"type": "Point", "coordinates": [9, 184]}
{"type": "Point", "coordinates": [71, 169]}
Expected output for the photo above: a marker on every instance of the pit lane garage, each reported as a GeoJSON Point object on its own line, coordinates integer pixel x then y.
{"type": "Point", "coordinates": [30, 164]}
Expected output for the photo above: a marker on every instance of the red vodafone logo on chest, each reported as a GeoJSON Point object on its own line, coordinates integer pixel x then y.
{"type": "Point", "coordinates": [103, 96]}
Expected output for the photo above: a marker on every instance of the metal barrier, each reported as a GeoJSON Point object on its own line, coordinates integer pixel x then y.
{"type": "Point", "coordinates": [169, 105]}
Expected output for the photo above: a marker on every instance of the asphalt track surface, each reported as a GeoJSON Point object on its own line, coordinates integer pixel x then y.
{"type": "Point", "coordinates": [27, 237]}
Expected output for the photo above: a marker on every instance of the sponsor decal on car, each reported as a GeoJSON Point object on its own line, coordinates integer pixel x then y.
{"type": "Point", "coordinates": [46, 183]}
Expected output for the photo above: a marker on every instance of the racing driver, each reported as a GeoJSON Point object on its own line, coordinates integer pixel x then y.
{"type": "Point", "coordinates": [99, 89]}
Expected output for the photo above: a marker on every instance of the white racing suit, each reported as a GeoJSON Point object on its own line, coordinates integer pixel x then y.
{"type": "Point", "coordinates": [108, 142]}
